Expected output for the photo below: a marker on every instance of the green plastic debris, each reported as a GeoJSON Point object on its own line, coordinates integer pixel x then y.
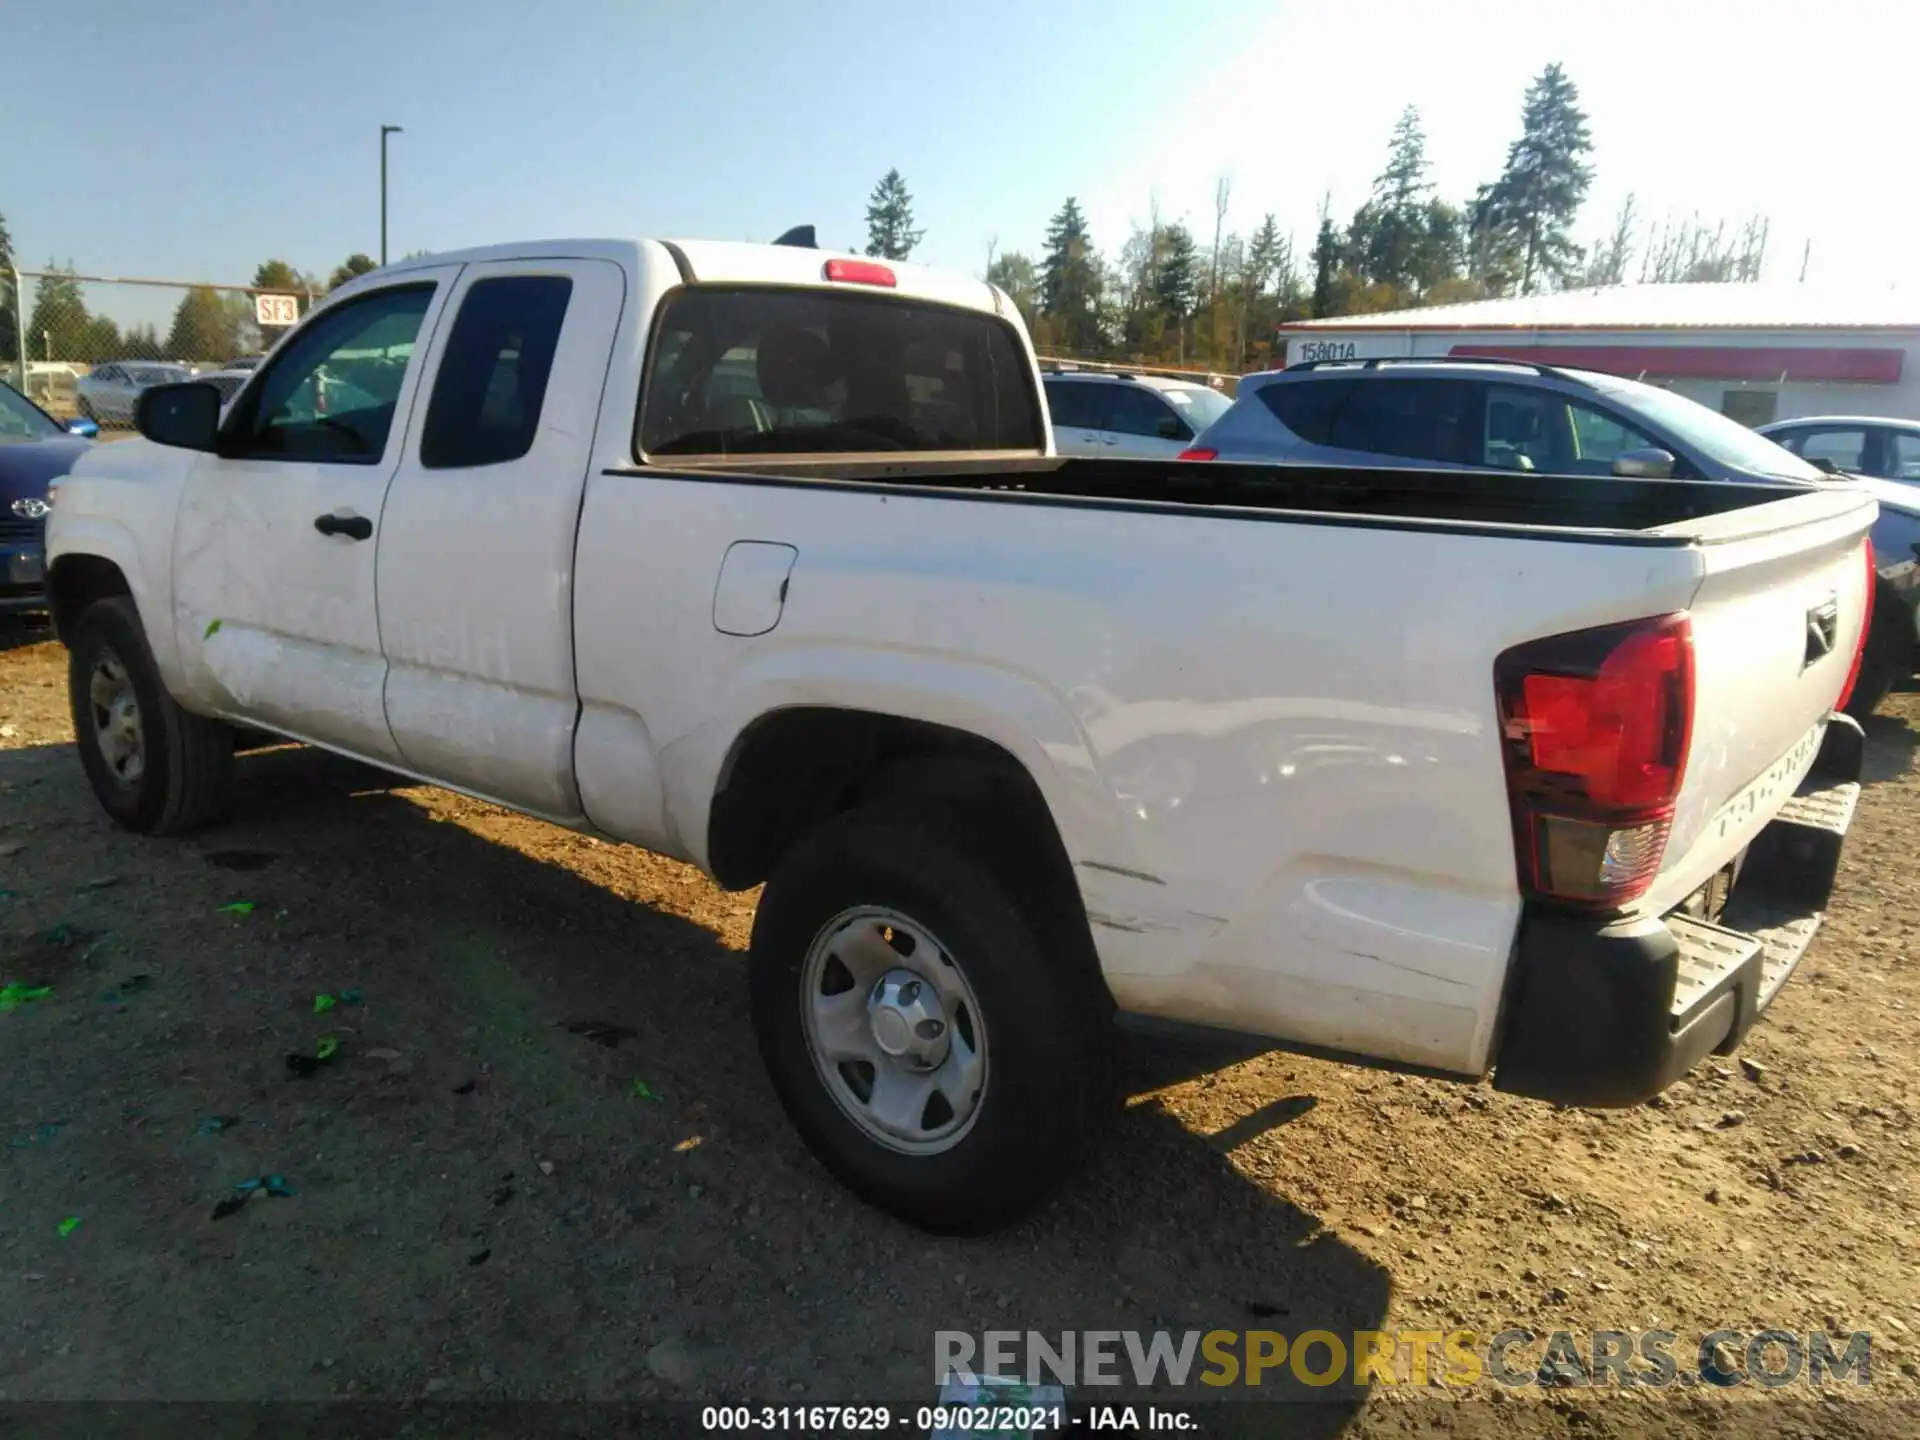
{"type": "Point", "coordinates": [12, 997]}
{"type": "Point", "coordinates": [69, 1225]}
{"type": "Point", "coordinates": [213, 629]}
{"type": "Point", "coordinates": [238, 907]}
{"type": "Point", "coordinates": [644, 1091]}
{"type": "Point", "coordinates": [324, 1050]}
{"type": "Point", "coordinates": [275, 1185]}
{"type": "Point", "coordinates": [322, 1004]}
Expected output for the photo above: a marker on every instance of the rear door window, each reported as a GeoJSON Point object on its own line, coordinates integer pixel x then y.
{"type": "Point", "coordinates": [760, 371]}
{"type": "Point", "coordinates": [1075, 404]}
{"type": "Point", "coordinates": [1138, 411]}
{"type": "Point", "coordinates": [1307, 407]}
{"type": "Point", "coordinates": [1845, 448]}
{"type": "Point", "coordinates": [1903, 461]}
{"type": "Point", "coordinates": [1412, 419]}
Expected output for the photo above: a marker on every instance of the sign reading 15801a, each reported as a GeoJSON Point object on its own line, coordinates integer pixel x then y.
{"type": "Point", "coordinates": [1325, 350]}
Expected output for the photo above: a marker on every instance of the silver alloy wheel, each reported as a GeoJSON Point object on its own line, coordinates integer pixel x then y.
{"type": "Point", "coordinates": [894, 1030]}
{"type": "Point", "coordinates": [116, 718]}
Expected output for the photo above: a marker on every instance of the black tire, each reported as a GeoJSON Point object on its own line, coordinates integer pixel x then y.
{"type": "Point", "coordinates": [185, 760]}
{"type": "Point", "coordinates": [1049, 1048]}
{"type": "Point", "coordinates": [1889, 655]}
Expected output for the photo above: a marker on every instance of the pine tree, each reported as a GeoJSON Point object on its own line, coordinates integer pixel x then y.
{"type": "Point", "coordinates": [205, 327]}
{"type": "Point", "coordinates": [1386, 243]}
{"type": "Point", "coordinates": [1176, 275]}
{"type": "Point", "coordinates": [10, 305]}
{"type": "Point", "coordinates": [352, 268]}
{"type": "Point", "coordinates": [1326, 265]}
{"type": "Point", "coordinates": [58, 328]}
{"type": "Point", "coordinates": [1072, 282]}
{"type": "Point", "coordinates": [1538, 196]}
{"type": "Point", "coordinates": [890, 232]}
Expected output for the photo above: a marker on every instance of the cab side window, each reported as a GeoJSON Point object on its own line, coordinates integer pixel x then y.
{"type": "Point", "coordinates": [331, 395]}
{"type": "Point", "coordinates": [493, 373]}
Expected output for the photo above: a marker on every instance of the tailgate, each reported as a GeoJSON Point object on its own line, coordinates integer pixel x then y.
{"type": "Point", "coordinates": [1776, 622]}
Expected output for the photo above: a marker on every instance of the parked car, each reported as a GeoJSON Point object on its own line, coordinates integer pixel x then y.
{"type": "Point", "coordinates": [227, 381]}
{"type": "Point", "coordinates": [1516, 415]}
{"type": "Point", "coordinates": [107, 393]}
{"type": "Point", "coordinates": [244, 362]}
{"type": "Point", "coordinates": [1442, 769]}
{"type": "Point", "coordinates": [1884, 448]}
{"type": "Point", "coordinates": [35, 449]}
{"type": "Point", "coordinates": [1146, 417]}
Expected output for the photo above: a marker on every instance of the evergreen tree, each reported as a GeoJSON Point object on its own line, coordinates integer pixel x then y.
{"type": "Point", "coordinates": [890, 232]}
{"type": "Point", "coordinates": [1538, 196]}
{"type": "Point", "coordinates": [10, 304]}
{"type": "Point", "coordinates": [205, 327]}
{"type": "Point", "coordinates": [1072, 282]}
{"type": "Point", "coordinates": [1387, 243]}
{"type": "Point", "coordinates": [1326, 266]}
{"type": "Point", "coordinates": [352, 268]}
{"type": "Point", "coordinates": [58, 328]}
{"type": "Point", "coordinates": [1176, 274]}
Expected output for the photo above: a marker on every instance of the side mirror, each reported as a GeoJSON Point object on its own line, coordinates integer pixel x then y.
{"type": "Point", "coordinates": [1648, 464]}
{"type": "Point", "coordinates": [1174, 428]}
{"type": "Point", "coordinates": [185, 415]}
{"type": "Point", "coordinates": [83, 427]}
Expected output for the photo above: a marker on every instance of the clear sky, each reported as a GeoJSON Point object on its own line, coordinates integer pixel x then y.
{"type": "Point", "coordinates": [194, 141]}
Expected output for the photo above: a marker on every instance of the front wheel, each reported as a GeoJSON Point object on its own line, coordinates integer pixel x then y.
{"type": "Point", "coordinates": [154, 767]}
{"type": "Point", "coordinates": [934, 1052]}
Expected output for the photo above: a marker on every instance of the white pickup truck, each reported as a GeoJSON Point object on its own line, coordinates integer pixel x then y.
{"type": "Point", "coordinates": [760, 556]}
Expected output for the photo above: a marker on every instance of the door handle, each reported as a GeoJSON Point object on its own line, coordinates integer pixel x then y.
{"type": "Point", "coordinates": [354, 527]}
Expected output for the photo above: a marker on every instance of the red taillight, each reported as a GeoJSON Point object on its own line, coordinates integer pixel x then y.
{"type": "Point", "coordinates": [860, 272]}
{"type": "Point", "coordinates": [1866, 624]}
{"type": "Point", "coordinates": [1198, 452]}
{"type": "Point", "coordinates": [1595, 728]}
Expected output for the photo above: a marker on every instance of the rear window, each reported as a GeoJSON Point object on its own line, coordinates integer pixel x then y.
{"type": "Point", "coordinates": [1306, 407]}
{"type": "Point", "coordinates": [787, 372]}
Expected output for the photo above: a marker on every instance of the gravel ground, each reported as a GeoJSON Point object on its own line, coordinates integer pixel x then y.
{"type": "Point", "coordinates": [493, 1205]}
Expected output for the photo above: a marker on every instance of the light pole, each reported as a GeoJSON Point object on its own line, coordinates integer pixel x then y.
{"type": "Point", "coordinates": [385, 130]}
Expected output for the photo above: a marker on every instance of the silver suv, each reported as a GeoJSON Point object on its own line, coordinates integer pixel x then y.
{"type": "Point", "coordinates": [1416, 413]}
{"type": "Point", "coordinates": [1128, 417]}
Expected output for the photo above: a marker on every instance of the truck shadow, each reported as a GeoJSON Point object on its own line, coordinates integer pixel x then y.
{"type": "Point", "coordinates": [672, 1240]}
{"type": "Point", "coordinates": [17, 632]}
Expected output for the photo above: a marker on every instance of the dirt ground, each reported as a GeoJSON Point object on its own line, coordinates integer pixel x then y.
{"type": "Point", "coordinates": [492, 1206]}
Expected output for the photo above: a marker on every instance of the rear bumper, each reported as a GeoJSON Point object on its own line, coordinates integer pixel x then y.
{"type": "Point", "coordinates": [1609, 1015]}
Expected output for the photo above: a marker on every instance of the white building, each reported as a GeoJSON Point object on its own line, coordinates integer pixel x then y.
{"type": "Point", "coordinates": [1754, 352]}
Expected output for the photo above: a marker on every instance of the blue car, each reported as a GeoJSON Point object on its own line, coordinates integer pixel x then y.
{"type": "Point", "coordinates": [34, 449]}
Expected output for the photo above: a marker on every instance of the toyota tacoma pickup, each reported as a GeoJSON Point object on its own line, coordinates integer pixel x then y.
{"type": "Point", "coordinates": [761, 557]}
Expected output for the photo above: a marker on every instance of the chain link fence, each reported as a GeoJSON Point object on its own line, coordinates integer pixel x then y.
{"type": "Point", "coordinates": [86, 345]}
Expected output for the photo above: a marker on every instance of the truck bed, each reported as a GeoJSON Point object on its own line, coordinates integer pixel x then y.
{"type": "Point", "coordinates": [1618, 509]}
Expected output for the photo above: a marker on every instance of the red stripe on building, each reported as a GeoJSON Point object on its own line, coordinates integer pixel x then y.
{"type": "Point", "coordinates": [1711, 362]}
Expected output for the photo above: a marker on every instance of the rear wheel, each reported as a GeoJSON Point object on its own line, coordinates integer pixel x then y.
{"type": "Point", "coordinates": [1888, 658]}
{"type": "Point", "coordinates": [154, 767]}
{"type": "Point", "coordinates": [940, 1058]}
